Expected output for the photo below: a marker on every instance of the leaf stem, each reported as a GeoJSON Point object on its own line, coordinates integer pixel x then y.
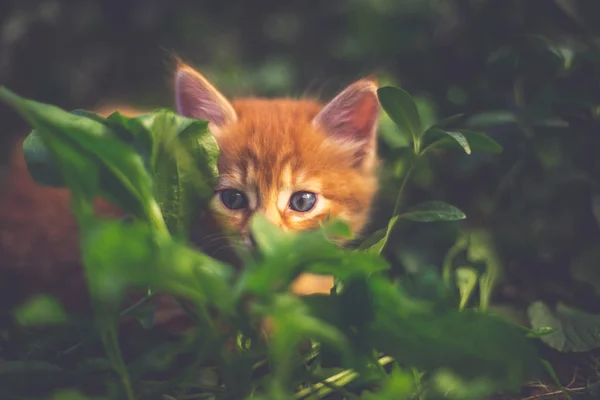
{"type": "Point", "coordinates": [111, 347]}
{"type": "Point", "coordinates": [322, 389]}
{"type": "Point", "coordinates": [402, 186]}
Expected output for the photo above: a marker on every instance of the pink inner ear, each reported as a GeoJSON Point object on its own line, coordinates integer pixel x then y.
{"type": "Point", "coordinates": [197, 98]}
{"type": "Point", "coordinates": [353, 113]}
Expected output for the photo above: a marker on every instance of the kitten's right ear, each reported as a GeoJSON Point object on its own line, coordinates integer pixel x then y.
{"type": "Point", "coordinates": [197, 98]}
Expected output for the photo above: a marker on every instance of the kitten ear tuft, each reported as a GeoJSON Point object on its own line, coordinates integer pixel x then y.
{"type": "Point", "coordinates": [352, 115]}
{"type": "Point", "coordinates": [197, 98]}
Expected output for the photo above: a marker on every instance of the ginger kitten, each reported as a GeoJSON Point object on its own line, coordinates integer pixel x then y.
{"type": "Point", "coordinates": [295, 161]}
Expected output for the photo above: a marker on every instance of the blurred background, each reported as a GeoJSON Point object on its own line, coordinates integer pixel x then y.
{"type": "Point", "coordinates": [527, 73]}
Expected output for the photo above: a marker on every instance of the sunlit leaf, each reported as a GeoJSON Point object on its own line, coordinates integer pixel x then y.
{"type": "Point", "coordinates": [575, 330]}
{"type": "Point", "coordinates": [401, 108]}
{"type": "Point", "coordinates": [466, 281]}
{"type": "Point", "coordinates": [467, 140]}
{"type": "Point", "coordinates": [433, 211]}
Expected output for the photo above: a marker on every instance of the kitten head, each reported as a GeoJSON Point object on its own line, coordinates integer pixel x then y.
{"type": "Point", "coordinates": [295, 161]}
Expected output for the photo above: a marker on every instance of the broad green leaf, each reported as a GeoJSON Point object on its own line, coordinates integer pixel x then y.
{"type": "Point", "coordinates": [41, 310]}
{"type": "Point", "coordinates": [467, 140]}
{"type": "Point", "coordinates": [123, 176]}
{"type": "Point", "coordinates": [118, 255]}
{"type": "Point", "coordinates": [472, 345]}
{"type": "Point", "coordinates": [284, 255]}
{"type": "Point", "coordinates": [40, 164]}
{"type": "Point", "coordinates": [460, 139]}
{"type": "Point", "coordinates": [433, 211]}
{"type": "Point", "coordinates": [401, 108]}
{"type": "Point", "coordinates": [182, 155]}
{"type": "Point", "coordinates": [575, 330]}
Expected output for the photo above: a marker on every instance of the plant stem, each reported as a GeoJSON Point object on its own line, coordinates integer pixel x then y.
{"type": "Point", "coordinates": [343, 378]}
{"type": "Point", "coordinates": [402, 186]}
{"type": "Point", "coordinates": [155, 217]}
{"type": "Point", "coordinates": [111, 346]}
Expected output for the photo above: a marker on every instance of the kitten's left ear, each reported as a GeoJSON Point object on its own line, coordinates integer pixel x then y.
{"type": "Point", "coordinates": [352, 115]}
{"type": "Point", "coordinates": [198, 99]}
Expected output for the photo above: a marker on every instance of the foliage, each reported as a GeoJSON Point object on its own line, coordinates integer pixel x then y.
{"type": "Point", "coordinates": [420, 326]}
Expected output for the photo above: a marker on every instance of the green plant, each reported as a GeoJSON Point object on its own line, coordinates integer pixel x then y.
{"type": "Point", "coordinates": [371, 337]}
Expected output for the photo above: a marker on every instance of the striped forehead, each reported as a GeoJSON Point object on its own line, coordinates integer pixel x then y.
{"type": "Point", "coordinates": [266, 171]}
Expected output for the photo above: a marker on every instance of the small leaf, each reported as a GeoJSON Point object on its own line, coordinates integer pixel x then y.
{"type": "Point", "coordinates": [41, 310]}
{"type": "Point", "coordinates": [575, 330]}
{"type": "Point", "coordinates": [401, 108]}
{"type": "Point", "coordinates": [466, 281]}
{"type": "Point", "coordinates": [541, 331]}
{"type": "Point", "coordinates": [376, 243]}
{"type": "Point", "coordinates": [433, 211]}
{"type": "Point", "coordinates": [459, 138]}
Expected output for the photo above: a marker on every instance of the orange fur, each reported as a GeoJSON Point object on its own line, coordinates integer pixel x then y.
{"type": "Point", "coordinates": [269, 150]}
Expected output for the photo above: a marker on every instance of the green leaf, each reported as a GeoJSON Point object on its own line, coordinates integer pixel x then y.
{"type": "Point", "coordinates": [378, 240]}
{"type": "Point", "coordinates": [41, 310]}
{"type": "Point", "coordinates": [40, 164]}
{"type": "Point", "coordinates": [181, 154]}
{"type": "Point", "coordinates": [401, 108]}
{"type": "Point", "coordinates": [123, 177]}
{"type": "Point", "coordinates": [284, 255]}
{"type": "Point", "coordinates": [118, 255]}
{"type": "Point", "coordinates": [466, 281]}
{"type": "Point", "coordinates": [398, 386]}
{"type": "Point", "coordinates": [472, 345]}
{"type": "Point", "coordinates": [575, 330]}
{"type": "Point", "coordinates": [433, 211]}
{"type": "Point", "coordinates": [459, 138]}
{"type": "Point", "coordinates": [292, 323]}
{"type": "Point", "coordinates": [541, 331]}
{"type": "Point", "coordinates": [481, 250]}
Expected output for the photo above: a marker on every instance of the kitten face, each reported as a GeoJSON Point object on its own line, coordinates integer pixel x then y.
{"type": "Point", "coordinates": [294, 161]}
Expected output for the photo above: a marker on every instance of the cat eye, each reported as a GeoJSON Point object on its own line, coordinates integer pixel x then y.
{"type": "Point", "coordinates": [303, 201]}
{"type": "Point", "coordinates": [233, 199]}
